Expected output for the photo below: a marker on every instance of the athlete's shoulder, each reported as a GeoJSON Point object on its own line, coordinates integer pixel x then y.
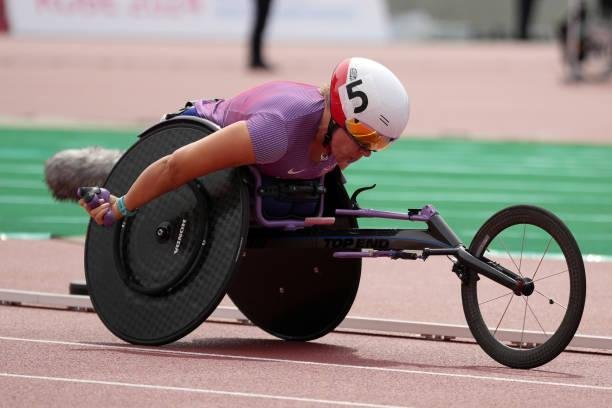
{"type": "Point", "coordinates": [289, 99]}
{"type": "Point", "coordinates": [283, 86]}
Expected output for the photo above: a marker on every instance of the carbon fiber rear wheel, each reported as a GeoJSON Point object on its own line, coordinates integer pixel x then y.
{"type": "Point", "coordinates": [156, 276]}
{"type": "Point", "coordinates": [526, 331]}
{"type": "Point", "coordinates": [305, 293]}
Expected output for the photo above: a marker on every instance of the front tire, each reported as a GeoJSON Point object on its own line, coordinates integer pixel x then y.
{"type": "Point", "coordinates": [534, 243]}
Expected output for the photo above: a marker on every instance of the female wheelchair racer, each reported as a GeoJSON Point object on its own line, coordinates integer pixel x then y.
{"type": "Point", "coordinates": [287, 130]}
{"type": "Point", "coordinates": [160, 272]}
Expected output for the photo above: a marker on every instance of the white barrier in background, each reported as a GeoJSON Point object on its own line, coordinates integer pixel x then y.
{"type": "Point", "coordinates": [348, 20]}
{"type": "Point", "coordinates": [3, 20]}
{"type": "Point", "coordinates": [434, 331]}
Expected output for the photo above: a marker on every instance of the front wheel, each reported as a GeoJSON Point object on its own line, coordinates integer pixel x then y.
{"type": "Point", "coordinates": [526, 331]}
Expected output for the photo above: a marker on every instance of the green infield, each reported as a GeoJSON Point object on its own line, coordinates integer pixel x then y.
{"type": "Point", "coordinates": [466, 180]}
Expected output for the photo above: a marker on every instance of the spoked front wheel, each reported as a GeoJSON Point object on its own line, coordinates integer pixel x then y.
{"type": "Point", "coordinates": [526, 331]}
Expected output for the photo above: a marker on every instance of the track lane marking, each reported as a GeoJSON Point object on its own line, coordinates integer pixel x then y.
{"type": "Point", "coordinates": [314, 363]}
{"type": "Point", "coordinates": [198, 390]}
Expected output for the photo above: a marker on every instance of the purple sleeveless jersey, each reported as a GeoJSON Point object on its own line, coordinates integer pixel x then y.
{"type": "Point", "coordinates": [283, 118]}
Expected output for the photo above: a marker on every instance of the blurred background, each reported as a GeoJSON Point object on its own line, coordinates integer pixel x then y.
{"type": "Point", "coordinates": [477, 19]}
{"type": "Point", "coordinates": [387, 19]}
{"type": "Point", "coordinates": [505, 109]}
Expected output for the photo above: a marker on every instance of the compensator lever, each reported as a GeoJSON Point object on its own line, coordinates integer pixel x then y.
{"type": "Point", "coordinates": [354, 205]}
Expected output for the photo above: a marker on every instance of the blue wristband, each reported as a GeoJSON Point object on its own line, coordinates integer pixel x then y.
{"type": "Point", "coordinates": [122, 209]}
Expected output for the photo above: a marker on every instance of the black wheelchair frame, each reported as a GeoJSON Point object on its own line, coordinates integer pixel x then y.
{"type": "Point", "coordinates": [297, 278]}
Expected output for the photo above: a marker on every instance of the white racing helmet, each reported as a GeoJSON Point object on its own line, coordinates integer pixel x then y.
{"type": "Point", "coordinates": [369, 102]}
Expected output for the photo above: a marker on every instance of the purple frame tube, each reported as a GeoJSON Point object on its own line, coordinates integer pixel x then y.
{"type": "Point", "coordinates": [367, 254]}
{"type": "Point", "coordinates": [424, 214]}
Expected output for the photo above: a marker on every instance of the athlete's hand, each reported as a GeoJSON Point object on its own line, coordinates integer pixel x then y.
{"type": "Point", "coordinates": [100, 205]}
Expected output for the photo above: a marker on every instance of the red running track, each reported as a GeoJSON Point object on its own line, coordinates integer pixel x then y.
{"type": "Point", "coordinates": [60, 358]}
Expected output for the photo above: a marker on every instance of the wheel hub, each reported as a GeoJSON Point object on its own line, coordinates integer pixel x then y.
{"type": "Point", "coordinates": [162, 232]}
{"type": "Point", "coordinates": [524, 287]}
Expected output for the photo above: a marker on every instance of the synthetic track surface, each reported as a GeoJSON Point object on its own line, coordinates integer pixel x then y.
{"type": "Point", "coordinates": [68, 356]}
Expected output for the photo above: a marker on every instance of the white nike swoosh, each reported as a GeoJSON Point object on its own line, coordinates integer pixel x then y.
{"type": "Point", "coordinates": [291, 171]}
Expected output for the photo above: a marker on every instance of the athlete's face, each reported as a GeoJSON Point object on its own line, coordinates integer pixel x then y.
{"type": "Point", "coordinates": [345, 148]}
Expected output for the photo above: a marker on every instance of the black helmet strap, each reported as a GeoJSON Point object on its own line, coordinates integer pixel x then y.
{"type": "Point", "coordinates": [331, 127]}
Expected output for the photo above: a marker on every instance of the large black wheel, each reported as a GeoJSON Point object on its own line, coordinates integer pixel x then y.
{"type": "Point", "coordinates": [301, 294]}
{"type": "Point", "coordinates": [156, 276]}
{"type": "Point", "coordinates": [526, 331]}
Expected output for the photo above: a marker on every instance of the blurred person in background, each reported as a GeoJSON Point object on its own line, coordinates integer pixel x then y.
{"type": "Point", "coordinates": [256, 60]}
{"type": "Point", "coordinates": [525, 14]}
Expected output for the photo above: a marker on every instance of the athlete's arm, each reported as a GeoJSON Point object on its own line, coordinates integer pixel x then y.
{"type": "Point", "coordinates": [226, 148]}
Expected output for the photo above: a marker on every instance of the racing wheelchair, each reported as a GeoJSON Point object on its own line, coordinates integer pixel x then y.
{"type": "Point", "coordinates": [289, 255]}
{"type": "Point", "coordinates": [585, 37]}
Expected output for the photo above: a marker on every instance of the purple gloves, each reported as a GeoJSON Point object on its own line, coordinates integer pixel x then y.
{"type": "Point", "coordinates": [92, 197]}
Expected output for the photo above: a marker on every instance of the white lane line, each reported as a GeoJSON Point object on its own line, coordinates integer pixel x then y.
{"type": "Point", "coordinates": [313, 363]}
{"type": "Point", "coordinates": [199, 391]}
